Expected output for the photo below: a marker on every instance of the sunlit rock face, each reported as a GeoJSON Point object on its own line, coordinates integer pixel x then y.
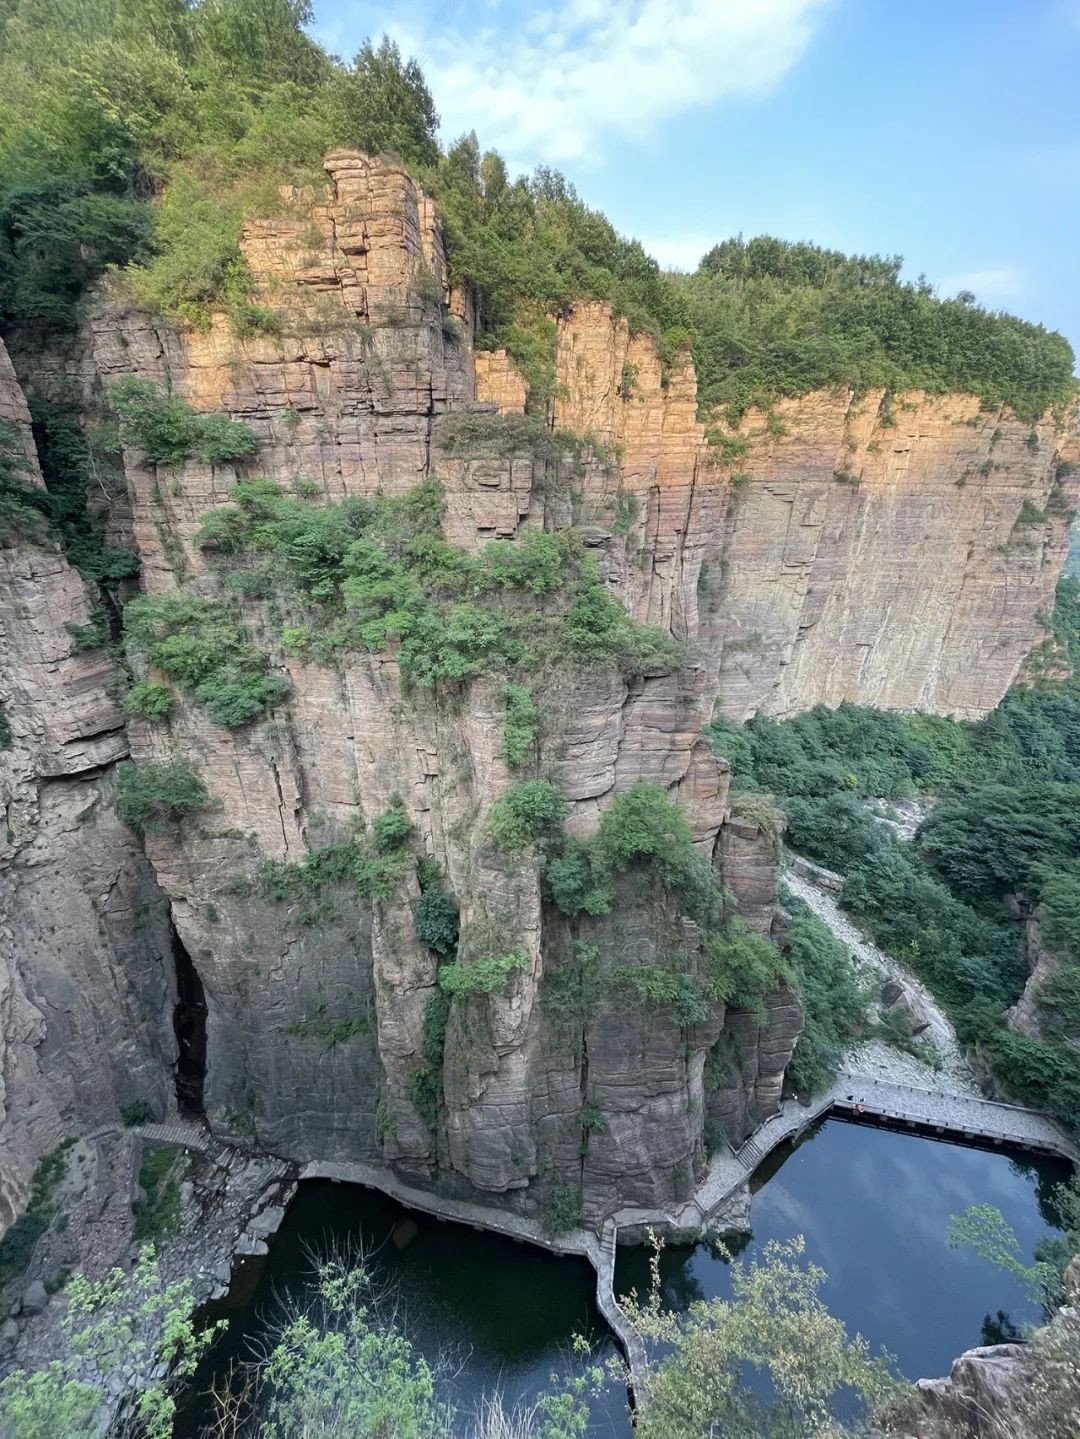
{"type": "Point", "coordinates": [791, 584]}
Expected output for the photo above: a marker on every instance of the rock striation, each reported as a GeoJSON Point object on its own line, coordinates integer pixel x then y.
{"type": "Point", "coordinates": [86, 976]}
{"type": "Point", "coordinates": [899, 551]}
{"type": "Point", "coordinates": [792, 584]}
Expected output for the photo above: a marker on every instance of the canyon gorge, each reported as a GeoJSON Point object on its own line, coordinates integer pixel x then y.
{"type": "Point", "coordinates": [860, 547]}
{"type": "Point", "coordinates": [223, 966]}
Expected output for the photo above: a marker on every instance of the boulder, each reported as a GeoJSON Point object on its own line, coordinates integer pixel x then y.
{"type": "Point", "coordinates": [35, 1298]}
{"type": "Point", "coordinates": [897, 999]}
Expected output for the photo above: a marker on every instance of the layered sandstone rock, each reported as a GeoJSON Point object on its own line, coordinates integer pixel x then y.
{"type": "Point", "coordinates": [899, 552]}
{"type": "Point", "coordinates": [315, 1031]}
{"type": "Point", "coordinates": [86, 980]}
{"type": "Point", "coordinates": [791, 586]}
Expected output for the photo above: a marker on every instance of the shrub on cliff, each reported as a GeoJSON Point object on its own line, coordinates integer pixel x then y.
{"type": "Point", "coordinates": [149, 700]}
{"type": "Point", "coordinates": [150, 796]}
{"type": "Point", "coordinates": [744, 967]}
{"type": "Point", "coordinates": [436, 921]}
{"type": "Point", "coordinates": [520, 727]}
{"type": "Point", "coordinates": [527, 814]}
{"type": "Point", "coordinates": [22, 516]}
{"type": "Point", "coordinates": [170, 431]}
{"type": "Point", "coordinates": [391, 829]}
{"type": "Point", "coordinates": [383, 576]}
{"type": "Point", "coordinates": [199, 645]}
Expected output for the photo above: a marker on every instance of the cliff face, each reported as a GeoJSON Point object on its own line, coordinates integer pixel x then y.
{"type": "Point", "coordinates": [897, 551]}
{"type": "Point", "coordinates": [793, 587]}
{"type": "Point", "coordinates": [86, 978]}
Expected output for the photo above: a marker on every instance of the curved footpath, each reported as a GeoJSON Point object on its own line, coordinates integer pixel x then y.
{"type": "Point", "coordinates": [878, 1083]}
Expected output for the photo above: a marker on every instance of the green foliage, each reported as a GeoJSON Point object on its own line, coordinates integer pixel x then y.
{"type": "Point", "coordinates": [18, 1244]}
{"type": "Point", "coordinates": [91, 636]}
{"type": "Point", "coordinates": [527, 814]}
{"type": "Point", "coordinates": [139, 1111]}
{"type": "Point", "coordinates": [330, 1032]}
{"type": "Point", "coordinates": [382, 576]}
{"type": "Point", "coordinates": [770, 1360]}
{"type": "Point", "coordinates": [426, 1084]}
{"type": "Point", "coordinates": [79, 472]}
{"type": "Point", "coordinates": [141, 135]}
{"type": "Point", "coordinates": [530, 248]}
{"type": "Point", "coordinates": [157, 1213]}
{"type": "Point", "coordinates": [151, 796]}
{"type": "Point", "coordinates": [984, 1228]}
{"type": "Point", "coordinates": [435, 920]}
{"type": "Point", "coordinates": [1007, 824]}
{"type": "Point", "coordinates": [1030, 514]}
{"type": "Point", "coordinates": [743, 967]}
{"type": "Point", "coordinates": [121, 1326]}
{"type": "Point", "coordinates": [5, 731]}
{"type": "Point", "coordinates": [651, 986]}
{"type": "Point", "coordinates": [560, 1207]}
{"type": "Point", "coordinates": [642, 827]}
{"type": "Point", "coordinates": [385, 106]}
{"type": "Point", "coordinates": [835, 999]}
{"type": "Point", "coordinates": [150, 700]}
{"type": "Point", "coordinates": [771, 318]}
{"type": "Point", "coordinates": [390, 830]}
{"type": "Point", "coordinates": [731, 742]}
{"type": "Point", "coordinates": [572, 989]}
{"type": "Point", "coordinates": [170, 431]}
{"type": "Point", "coordinates": [336, 1369]}
{"type": "Point", "coordinates": [200, 646]}
{"type": "Point", "coordinates": [22, 511]}
{"type": "Point", "coordinates": [374, 867]}
{"type": "Point", "coordinates": [486, 974]}
{"type": "Point", "coordinates": [756, 808]}
{"type": "Point", "coordinates": [520, 726]}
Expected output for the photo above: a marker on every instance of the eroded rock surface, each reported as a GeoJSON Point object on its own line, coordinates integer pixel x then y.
{"type": "Point", "coordinates": [86, 980]}
{"type": "Point", "coordinates": [791, 584]}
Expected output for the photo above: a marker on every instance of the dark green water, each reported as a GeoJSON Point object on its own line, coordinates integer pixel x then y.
{"type": "Point", "coordinates": [502, 1315]}
{"type": "Point", "coordinates": [874, 1208]}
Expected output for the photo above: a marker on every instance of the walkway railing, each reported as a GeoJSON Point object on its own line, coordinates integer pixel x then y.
{"type": "Point", "coordinates": [964, 1116]}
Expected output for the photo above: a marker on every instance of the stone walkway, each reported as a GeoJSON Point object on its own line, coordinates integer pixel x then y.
{"type": "Point", "coordinates": [956, 1115]}
{"type": "Point", "coordinates": [950, 1115]}
{"type": "Point", "coordinates": [184, 1133]}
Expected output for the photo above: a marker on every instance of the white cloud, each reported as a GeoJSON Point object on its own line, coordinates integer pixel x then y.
{"type": "Point", "coordinates": [562, 80]}
{"type": "Point", "coordinates": [989, 285]}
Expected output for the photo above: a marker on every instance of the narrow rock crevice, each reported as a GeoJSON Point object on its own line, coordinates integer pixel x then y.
{"type": "Point", "coordinates": [189, 1026]}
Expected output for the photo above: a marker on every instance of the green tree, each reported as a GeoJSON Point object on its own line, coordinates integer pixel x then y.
{"type": "Point", "coordinates": [137, 1324]}
{"type": "Point", "coordinates": [149, 796]}
{"type": "Point", "coordinates": [775, 1324]}
{"type": "Point", "coordinates": [382, 105]}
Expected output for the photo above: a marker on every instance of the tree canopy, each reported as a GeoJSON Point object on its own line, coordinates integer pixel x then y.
{"type": "Point", "coordinates": [140, 133]}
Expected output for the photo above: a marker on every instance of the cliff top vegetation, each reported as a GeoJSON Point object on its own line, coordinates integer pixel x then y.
{"type": "Point", "coordinates": [140, 133]}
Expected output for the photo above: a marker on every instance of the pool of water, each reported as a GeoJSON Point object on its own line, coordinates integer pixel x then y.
{"type": "Point", "coordinates": [874, 1207]}
{"type": "Point", "coordinates": [494, 1314]}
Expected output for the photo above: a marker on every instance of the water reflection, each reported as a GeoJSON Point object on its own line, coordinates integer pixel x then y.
{"type": "Point", "coordinates": [874, 1207]}
{"type": "Point", "coordinates": [491, 1313]}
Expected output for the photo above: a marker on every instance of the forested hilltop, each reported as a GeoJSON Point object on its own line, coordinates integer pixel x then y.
{"type": "Point", "coordinates": [139, 134]}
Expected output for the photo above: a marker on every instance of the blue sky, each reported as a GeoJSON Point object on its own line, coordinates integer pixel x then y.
{"type": "Point", "coordinates": [943, 130]}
